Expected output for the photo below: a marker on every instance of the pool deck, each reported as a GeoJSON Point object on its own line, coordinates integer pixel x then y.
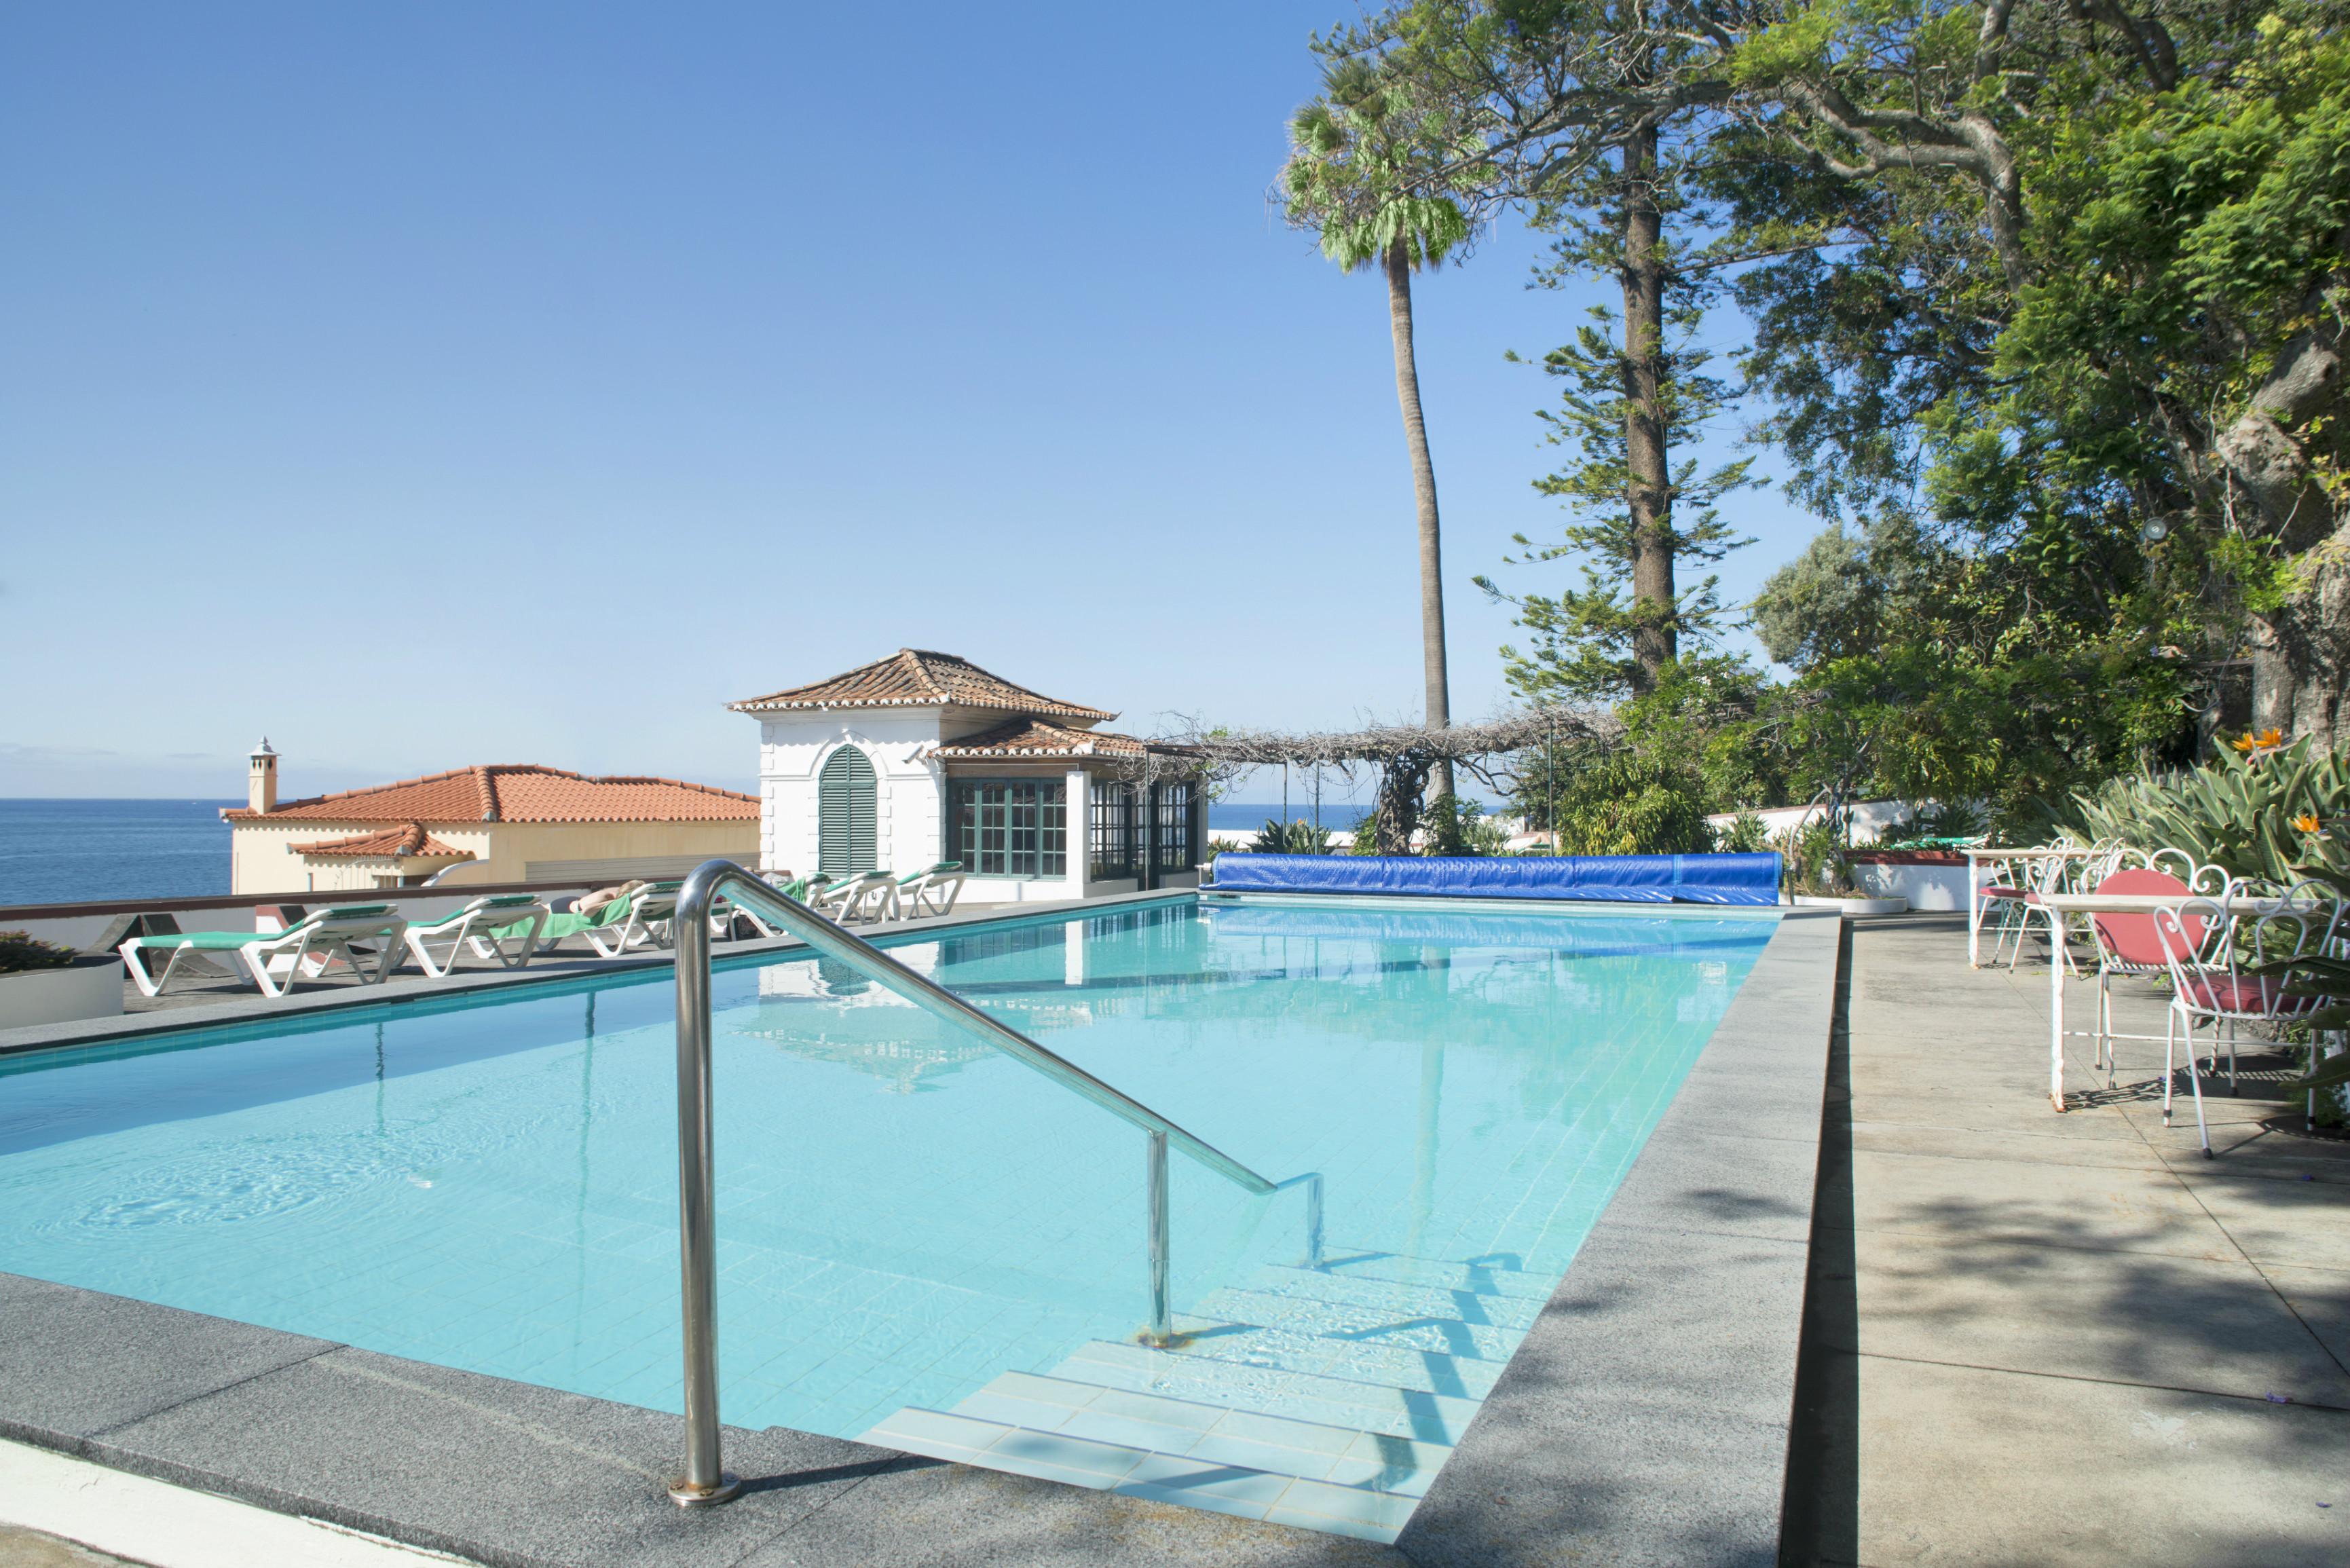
{"type": "Point", "coordinates": [2062, 1340]}
{"type": "Point", "coordinates": [1645, 1419]}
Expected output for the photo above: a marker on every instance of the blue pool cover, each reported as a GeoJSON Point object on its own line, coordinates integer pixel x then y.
{"type": "Point", "coordinates": [1622, 879]}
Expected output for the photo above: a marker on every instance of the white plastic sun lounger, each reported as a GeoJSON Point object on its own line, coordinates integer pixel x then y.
{"type": "Point", "coordinates": [307, 946]}
{"type": "Point", "coordinates": [870, 895]}
{"type": "Point", "coordinates": [930, 892]}
{"type": "Point", "coordinates": [489, 923]}
{"type": "Point", "coordinates": [647, 924]}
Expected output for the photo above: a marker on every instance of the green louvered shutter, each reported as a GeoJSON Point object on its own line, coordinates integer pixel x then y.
{"type": "Point", "coordinates": [844, 814]}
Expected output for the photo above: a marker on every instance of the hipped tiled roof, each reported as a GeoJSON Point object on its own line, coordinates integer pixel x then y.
{"type": "Point", "coordinates": [520, 792]}
{"type": "Point", "coordinates": [917, 678]}
{"type": "Point", "coordinates": [409, 841]}
{"type": "Point", "coordinates": [1041, 738]}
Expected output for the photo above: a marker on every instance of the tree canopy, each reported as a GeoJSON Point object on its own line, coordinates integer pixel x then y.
{"type": "Point", "coordinates": [2048, 299]}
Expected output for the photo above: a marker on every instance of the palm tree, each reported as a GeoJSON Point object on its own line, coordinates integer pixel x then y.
{"type": "Point", "coordinates": [1358, 175]}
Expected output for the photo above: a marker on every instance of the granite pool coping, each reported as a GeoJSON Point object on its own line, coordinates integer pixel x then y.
{"type": "Point", "coordinates": [1645, 1419]}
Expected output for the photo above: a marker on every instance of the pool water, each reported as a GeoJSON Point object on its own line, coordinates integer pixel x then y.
{"type": "Point", "coordinates": [911, 1224]}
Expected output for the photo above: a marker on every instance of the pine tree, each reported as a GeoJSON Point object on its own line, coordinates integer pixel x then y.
{"type": "Point", "coordinates": [1636, 391]}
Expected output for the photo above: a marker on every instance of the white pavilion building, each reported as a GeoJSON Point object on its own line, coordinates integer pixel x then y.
{"type": "Point", "coordinates": [923, 757]}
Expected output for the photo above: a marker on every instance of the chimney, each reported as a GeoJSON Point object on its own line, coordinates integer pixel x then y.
{"type": "Point", "coordinates": [261, 779]}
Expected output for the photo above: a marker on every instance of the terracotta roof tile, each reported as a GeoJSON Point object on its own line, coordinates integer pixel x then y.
{"type": "Point", "coordinates": [409, 841]}
{"type": "Point", "coordinates": [1041, 738]}
{"type": "Point", "coordinates": [520, 793]}
{"type": "Point", "coordinates": [917, 678]}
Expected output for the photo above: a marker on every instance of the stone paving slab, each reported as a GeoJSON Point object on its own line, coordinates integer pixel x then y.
{"type": "Point", "coordinates": [2044, 1202]}
{"type": "Point", "coordinates": [551, 1476]}
{"type": "Point", "coordinates": [2121, 1317]}
{"type": "Point", "coordinates": [62, 1361]}
{"type": "Point", "coordinates": [1963, 1465]}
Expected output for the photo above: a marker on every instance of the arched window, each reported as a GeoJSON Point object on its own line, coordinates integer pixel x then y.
{"type": "Point", "coordinates": [843, 814]}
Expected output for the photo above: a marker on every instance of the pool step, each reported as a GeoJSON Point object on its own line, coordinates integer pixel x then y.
{"type": "Point", "coordinates": [1323, 1398]}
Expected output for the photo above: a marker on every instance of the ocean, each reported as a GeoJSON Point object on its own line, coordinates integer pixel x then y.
{"type": "Point", "coordinates": [63, 851]}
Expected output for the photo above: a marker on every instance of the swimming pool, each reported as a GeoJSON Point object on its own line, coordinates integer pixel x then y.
{"type": "Point", "coordinates": [920, 1241]}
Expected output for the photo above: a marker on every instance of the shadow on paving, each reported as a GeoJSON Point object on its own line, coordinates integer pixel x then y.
{"type": "Point", "coordinates": [1820, 1516]}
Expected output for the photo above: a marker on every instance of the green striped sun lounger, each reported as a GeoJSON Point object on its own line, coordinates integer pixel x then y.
{"type": "Point", "coordinates": [488, 924]}
{"type": "Point", "coordinates": [276, 959]}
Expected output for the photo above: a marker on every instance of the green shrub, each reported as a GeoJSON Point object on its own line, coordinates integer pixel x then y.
{"type": "Point", "coordinates": [1814, 861]}
{"type": "Point", "coordinates": [1455, 826]}
{"type": "Point", "coordinates": [1630, 805]}
{"type": "Point", "coordinates": [19, 952]}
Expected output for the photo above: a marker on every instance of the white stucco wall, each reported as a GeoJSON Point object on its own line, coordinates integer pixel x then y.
{"type": "Point", "coordinates": [909, 790]}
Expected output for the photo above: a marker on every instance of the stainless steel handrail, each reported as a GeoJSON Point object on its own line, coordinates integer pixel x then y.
{"type": "Point", "coordinates": [706, 1481]}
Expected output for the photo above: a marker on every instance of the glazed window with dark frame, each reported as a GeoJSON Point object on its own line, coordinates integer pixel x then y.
{"type": "Point", "coordinates": [1173, 802]}
{"type": "Point", "coordinates": [1113, 848]}
{"type": "Point", "coordinates": [1009, 828]}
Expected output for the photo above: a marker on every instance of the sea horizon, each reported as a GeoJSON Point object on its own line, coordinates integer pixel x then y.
{"type": "Point", "coordinates": [67, 849]}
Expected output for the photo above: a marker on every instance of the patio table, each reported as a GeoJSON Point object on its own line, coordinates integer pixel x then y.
{"type": "Point", "coordinates": [2064, 904]}
{"type": "Point", "coordinates": [1975, 859]}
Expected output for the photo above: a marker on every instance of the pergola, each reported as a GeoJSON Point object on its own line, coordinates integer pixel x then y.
{"type": "Point", "coordinates": [1405, 755]}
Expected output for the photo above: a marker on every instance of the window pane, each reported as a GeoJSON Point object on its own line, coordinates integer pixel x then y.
{"type": "Point", "coordinates": [1112, 846]}
{"type": "Point", "coordinates": [991, 813]}
{"type": "Point", "coordinates": [1053, 832]}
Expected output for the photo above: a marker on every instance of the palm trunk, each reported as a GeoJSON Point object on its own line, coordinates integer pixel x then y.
{"type": "Point", "coordinates": [1423, 485]}
{"type": "Point", "coordinates": [1649, 492]}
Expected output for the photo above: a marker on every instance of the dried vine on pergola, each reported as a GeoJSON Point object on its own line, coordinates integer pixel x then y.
{"type": "Point", "coordinates": [1405, 755]}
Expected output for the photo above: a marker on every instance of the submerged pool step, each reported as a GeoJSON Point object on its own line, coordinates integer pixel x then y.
{"type": "Point", "coordinates": [1279, 1445]}
{"type": "Point", "coordinates": [1323, 1399]}
{"type": "Point", "coordinates": [1334, 1401]}
{"type": "Point", "coordinates": [1488, 1279]}
{"type": "Point", "coordinates": [1135, 1471]}
{"type": "Point", "coordinates": [1405, 1324]}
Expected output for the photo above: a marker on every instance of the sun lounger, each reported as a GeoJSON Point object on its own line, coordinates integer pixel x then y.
{"type": "Point", "coordinates": [930, 892]}
{"type": "Point", "coordinates": [488, 923]}
{"type": "Point", "coordinates": [639, 917]}
{"type": "Point", "coordinates": [870, 896]}
{"type": "Point", "coordinates": [647, 925]}
{"type": "Point", "coordinates": [614, 913]}
{"type": "Point", "coordinates": [309, 945]}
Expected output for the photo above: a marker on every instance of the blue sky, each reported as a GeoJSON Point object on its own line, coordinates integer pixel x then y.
{"type": "Point", "coordinates": [443, 384]}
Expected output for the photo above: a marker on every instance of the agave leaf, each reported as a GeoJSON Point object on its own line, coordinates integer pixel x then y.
{"type": "Point", "coordinates": [2329, 1071]}
{"type": "Point", "coordinates": [2326, 1019]}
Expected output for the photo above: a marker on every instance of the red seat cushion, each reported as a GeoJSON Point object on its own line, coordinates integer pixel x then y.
{"type": "Point", "coordinates": [2243, 994]}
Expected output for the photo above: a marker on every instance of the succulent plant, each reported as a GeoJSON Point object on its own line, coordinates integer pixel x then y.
{"type": "Point", "coordinates": [2258, 811]}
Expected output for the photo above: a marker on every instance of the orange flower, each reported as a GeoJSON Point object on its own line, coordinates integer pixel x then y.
{"type": "Point", "coordinates": [2307, 822]}
{"type": "Point", "coordinates": [2266, 741]}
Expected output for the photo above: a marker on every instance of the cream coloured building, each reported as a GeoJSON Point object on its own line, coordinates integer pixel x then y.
{"type": "Point", "coordinates": [922, 756]}
{"type": "Point", "coordinates": [470, 827]}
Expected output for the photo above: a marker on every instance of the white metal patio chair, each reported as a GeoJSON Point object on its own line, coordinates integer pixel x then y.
{"type": "Point", "coordinates": [2207, 986]}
